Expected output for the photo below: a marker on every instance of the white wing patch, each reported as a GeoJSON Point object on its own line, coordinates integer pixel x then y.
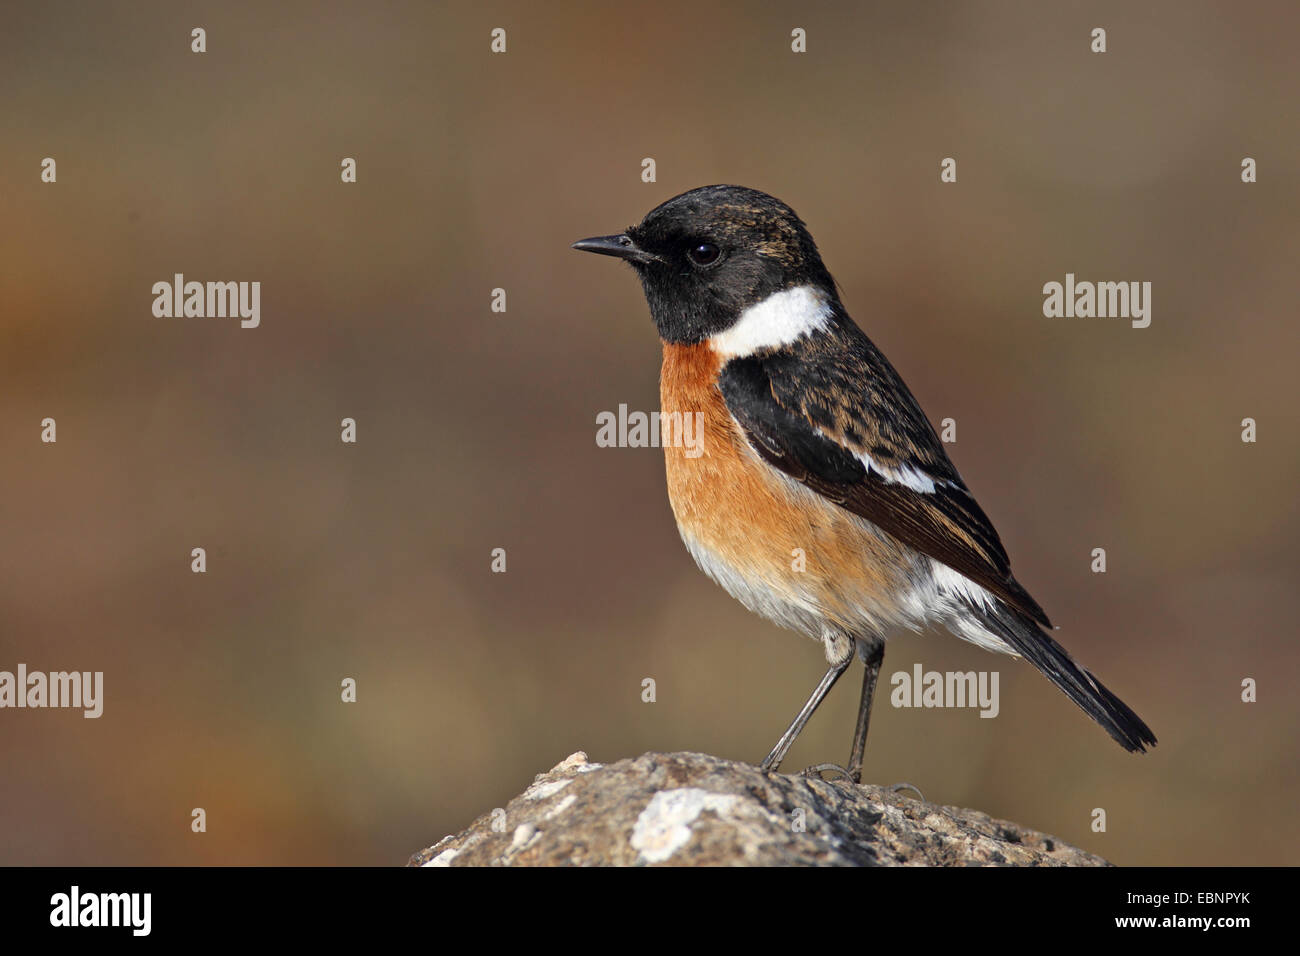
{"type": "Point", "coordinates": [907, 475]}
{"type": "Point", "coordinates": [783, 317]}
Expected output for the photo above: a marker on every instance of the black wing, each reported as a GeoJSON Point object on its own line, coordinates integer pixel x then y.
{"type": "Point", "coordinates": [811, 408]}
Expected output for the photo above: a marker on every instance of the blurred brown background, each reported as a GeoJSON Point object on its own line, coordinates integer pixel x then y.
{"type": "Point", "coordinates": [477, 430]}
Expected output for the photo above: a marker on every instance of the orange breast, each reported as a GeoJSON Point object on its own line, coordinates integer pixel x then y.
{"type": "Point", "coordinates": [766, 528]}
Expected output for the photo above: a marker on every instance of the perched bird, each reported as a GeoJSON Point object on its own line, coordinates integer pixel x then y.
{"type": "Point", "coordinates": [812, 444]}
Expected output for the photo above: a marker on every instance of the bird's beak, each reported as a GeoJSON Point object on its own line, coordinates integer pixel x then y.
{"type": "Point", "coordinates": [621, 247]}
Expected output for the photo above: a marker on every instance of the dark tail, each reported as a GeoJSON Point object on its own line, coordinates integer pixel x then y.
{"type": "Point", "coordinates": [1056, 664]}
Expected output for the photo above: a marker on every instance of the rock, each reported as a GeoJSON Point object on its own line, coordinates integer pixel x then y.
{"type": "Point", "coordinates": [688, 809]}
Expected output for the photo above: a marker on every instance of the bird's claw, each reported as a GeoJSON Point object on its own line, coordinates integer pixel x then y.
{"type": "Point", "coordinates": [819, 769]}
{"type": "Point", "coordinates": [895, 788]}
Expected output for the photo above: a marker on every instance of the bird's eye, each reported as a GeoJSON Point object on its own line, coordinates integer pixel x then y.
{"type": "Point", "coordinates": [704, 253]}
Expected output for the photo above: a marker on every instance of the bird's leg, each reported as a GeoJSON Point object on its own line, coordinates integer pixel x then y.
{"type": "Point", "coordinates": [773, 760]}
{"type": "Point", "coordinates": [875, 655]}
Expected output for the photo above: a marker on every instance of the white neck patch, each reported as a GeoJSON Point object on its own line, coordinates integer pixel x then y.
{"type": "Point", "coordinates": [783, 317]}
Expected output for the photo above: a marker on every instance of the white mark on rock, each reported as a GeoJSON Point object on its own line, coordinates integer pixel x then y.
{"type": "Point", "coordinates": [443, 859]}
{"type": "Point", "coordinates": [540, 791]}
{"type": "Point", "coordinates": [523, 833]}
{"type": "Point", "coordinates": [664, 826]}
{"type": "Point", "coordinates": [575, 761]}
{"type": "Point", "coordinates": [560, 807]}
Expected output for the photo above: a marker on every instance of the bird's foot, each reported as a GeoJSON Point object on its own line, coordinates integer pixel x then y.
{"type": "Point", "coordinates": [898, 787]}
{"type": "Point", "coordinates": [819, 769]}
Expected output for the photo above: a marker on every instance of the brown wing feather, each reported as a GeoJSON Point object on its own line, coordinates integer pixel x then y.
{"type": "Point", "coordinates": [803, 421]}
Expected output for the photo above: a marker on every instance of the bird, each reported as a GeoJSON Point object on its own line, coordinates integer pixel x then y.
{"type": "Point", "coordinates": [812, 445]}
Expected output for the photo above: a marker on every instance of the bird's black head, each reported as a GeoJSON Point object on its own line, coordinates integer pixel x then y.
{"type": "Point", "coordinates": [707, 255]}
